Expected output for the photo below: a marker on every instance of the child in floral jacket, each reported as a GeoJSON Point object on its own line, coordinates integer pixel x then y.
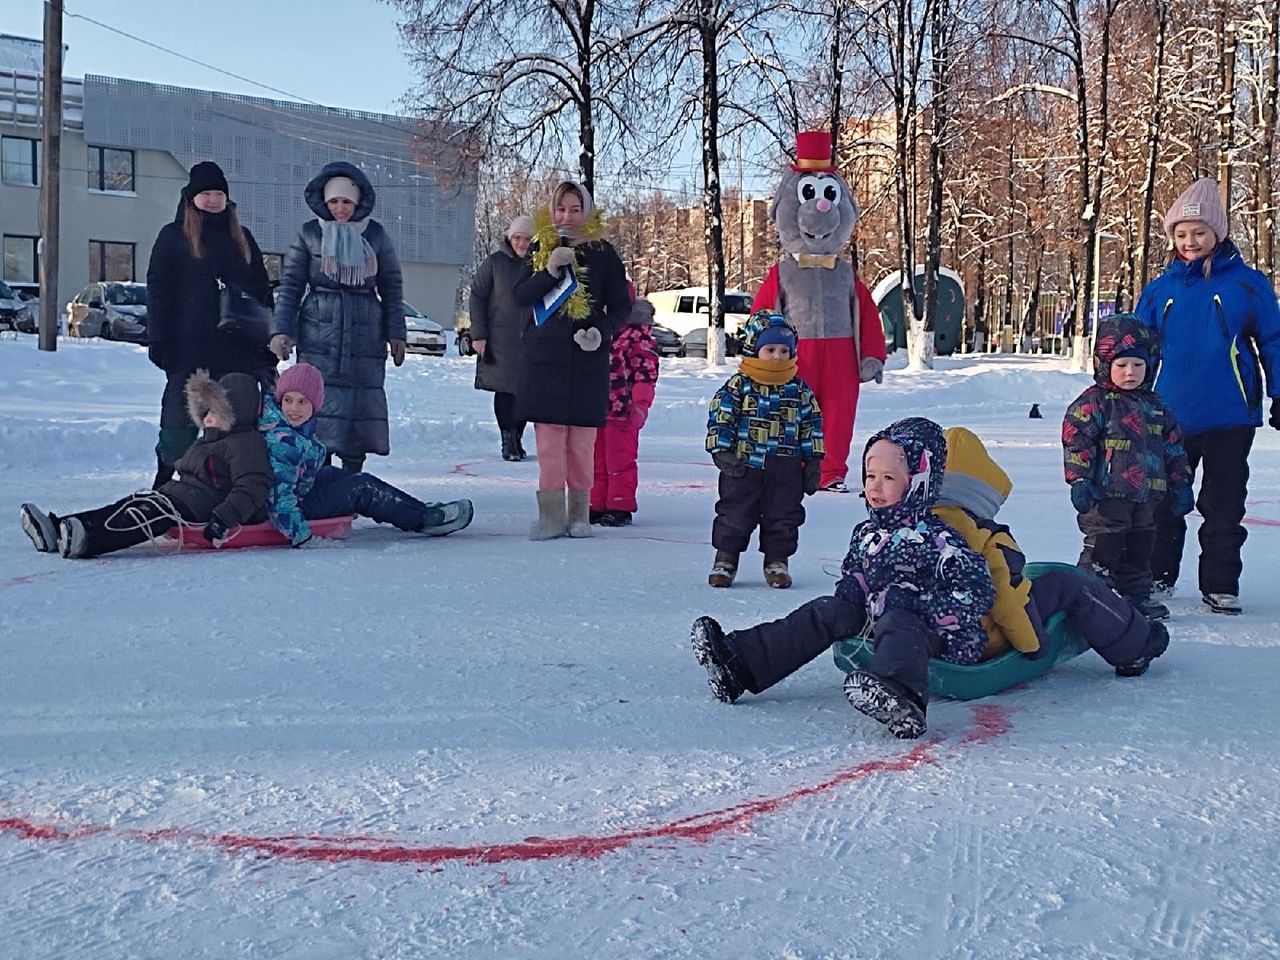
{"type": "Point", "coordinates": [908, 580]}
{"type": "Point", "coordinates": [633, 376]}
{"type": "Point", "coordinates": [304, 488]}
{"type": "Point", "coordinates": [764, 433]}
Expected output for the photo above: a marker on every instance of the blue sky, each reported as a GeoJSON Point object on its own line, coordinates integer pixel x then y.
{"type": "Point", "coordinates": [293, 45]}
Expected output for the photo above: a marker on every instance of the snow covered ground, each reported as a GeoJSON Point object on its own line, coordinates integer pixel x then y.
{"type": "Point", "coordinates": [485, 747]}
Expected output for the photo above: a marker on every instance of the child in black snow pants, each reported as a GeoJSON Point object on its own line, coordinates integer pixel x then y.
{"type": "Point", "coordinates": [908, 579]}
{"type": "Point", "coordinates": [1123, 457]}
{"type": "Point", "coordinates": [222, 483]}
{"type": "Point", "coordinates": [764, 432]}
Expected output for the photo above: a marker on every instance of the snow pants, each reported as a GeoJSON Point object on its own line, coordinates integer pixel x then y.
{"type": "Point", "coordinates": [771, 498]}
{"type": "Point", "coordinates": [1119, 535]}
{"type": "Point", "coordinates": [340, 493]}
{"type": "Point", "coordinates": [830, 367]}
{"type": "Point", "coordinates": [1111, 625]}
{"type": "Point", "coordinates": [616, 453]}
{"type": "Point", "coordinates": [1224, 484]}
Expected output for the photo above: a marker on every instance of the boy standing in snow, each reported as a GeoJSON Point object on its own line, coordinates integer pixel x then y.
{"type": "Point", "coordinates": [764, 433]}
{"type": "Point", "coordinates": [304, 488]}
{"type": "Point", "coordinates": [222, 482]}
{"type": "Point", "coordinates": [974, 488]}
{"type": "Point", "coordinates": [633, 375]}
{"type": "Point", "coordinates": [908, 580]}
{"type": "Point", "coordinates": [1123, 457]}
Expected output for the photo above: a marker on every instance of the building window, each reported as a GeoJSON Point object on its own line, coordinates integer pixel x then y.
{"type": "Point", "coordinates": [273, 263]}
{"type": "Point", "coordinates": [110, 261]}
{"type": "Point", "coordinates": [20, 264]}
{"type": "Point", "coordinates": [110, 169]}
{"type": "Point", "coordinates": [20, 161]}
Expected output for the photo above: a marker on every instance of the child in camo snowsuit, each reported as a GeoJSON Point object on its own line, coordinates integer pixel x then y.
{"type": "Point", "coordinates": [908, 580]}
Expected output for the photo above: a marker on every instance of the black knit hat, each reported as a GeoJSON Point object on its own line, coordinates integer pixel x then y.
{"type": "Point", "coordinates": [205, 175]}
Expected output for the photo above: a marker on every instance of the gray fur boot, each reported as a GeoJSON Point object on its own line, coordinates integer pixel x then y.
{"type": "Point", "coordinates": [579, 513]}
{"type": "Point", "coordinates": [551, 520]}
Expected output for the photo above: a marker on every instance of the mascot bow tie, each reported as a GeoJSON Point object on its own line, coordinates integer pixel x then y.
{"type": "Point", "coordinates": [827, 260]}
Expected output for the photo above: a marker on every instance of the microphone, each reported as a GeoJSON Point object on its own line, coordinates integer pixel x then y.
{"type": "Point", "coordinates": [564, 238]}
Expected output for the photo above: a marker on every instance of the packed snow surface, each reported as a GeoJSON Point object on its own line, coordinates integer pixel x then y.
{"type": "Point", "coordinates": [480, 746]}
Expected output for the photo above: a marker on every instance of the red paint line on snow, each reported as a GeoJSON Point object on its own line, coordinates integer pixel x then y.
{"type": "Point", "coordinates": [989, 723]}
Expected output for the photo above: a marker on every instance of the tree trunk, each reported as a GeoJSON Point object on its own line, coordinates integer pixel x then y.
{"type": "Point", "coordinates": [713, 226]}
{"type": "Point", "coordinates": [1153, 145]}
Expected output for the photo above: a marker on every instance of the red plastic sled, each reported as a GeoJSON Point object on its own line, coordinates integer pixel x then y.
{"type": "Point", "coordinates": [263, 534]}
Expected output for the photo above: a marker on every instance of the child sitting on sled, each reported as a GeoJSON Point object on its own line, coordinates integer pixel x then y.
{"type": "Point", "coordinates": [222, 482]}
{"type": "Point", "coordinates": [908, 580]}
{"type": "Point", "coordinates": [974, 488]}
{"type": "Point", "coordinates": [304, 488]}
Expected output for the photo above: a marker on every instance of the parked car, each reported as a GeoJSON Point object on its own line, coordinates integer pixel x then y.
{"type": "Point", "coordinates": [15, 311]}
{"type": "Point", "coordinates": [669, 343]}
{"type": "Point", "coordinates": [115, 310]}
{"type": "Point", "coordinates": [422, 334]}
{"type": "Point", "coordinates": [695, 344]}
{"type": "Point", "coordinates": [685, 310]}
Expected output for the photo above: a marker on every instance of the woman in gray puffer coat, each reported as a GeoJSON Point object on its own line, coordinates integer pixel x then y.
{"type": "Point", "coordinates": [497, 324]}
{"type": "Point", "coordinates": [352, 312]}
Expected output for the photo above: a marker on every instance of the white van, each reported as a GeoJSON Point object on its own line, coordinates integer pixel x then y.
{"type": "Point", "coordinates": [685, 310]}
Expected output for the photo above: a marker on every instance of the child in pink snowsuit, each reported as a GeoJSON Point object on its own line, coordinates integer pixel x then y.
{"type": "Point", "coordinates": [633, 372]}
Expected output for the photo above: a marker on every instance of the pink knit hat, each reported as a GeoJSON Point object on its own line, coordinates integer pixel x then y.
{"type": "Point", "coordinates": [1200, 201]}
{"type": "Point", "coordinates": [305, 379]}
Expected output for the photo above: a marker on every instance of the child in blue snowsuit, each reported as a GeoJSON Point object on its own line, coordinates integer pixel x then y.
{"type": "Point", "coordinates": [908, 580]}
{"type": "Point", "coordinates": [304, 488]}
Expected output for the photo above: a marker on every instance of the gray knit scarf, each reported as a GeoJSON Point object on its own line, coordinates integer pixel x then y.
{"type": "Point", "coordinates": [345, 255]}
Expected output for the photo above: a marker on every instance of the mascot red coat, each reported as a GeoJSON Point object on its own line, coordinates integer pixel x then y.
{"type": "Point", "coordinates": [841, 339]}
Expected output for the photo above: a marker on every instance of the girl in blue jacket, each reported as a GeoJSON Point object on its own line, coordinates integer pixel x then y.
{"type": "Point", "coordinates": [1219, 324]}
{"type": "Point", "coordinates": [304, 488]}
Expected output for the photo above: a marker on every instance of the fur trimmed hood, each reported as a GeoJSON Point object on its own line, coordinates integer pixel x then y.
{"type": "Point", "coordinates": [235, 399]}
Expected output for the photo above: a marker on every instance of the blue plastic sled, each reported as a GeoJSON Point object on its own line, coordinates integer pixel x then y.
{"type": "Point", "coordinates": [979, 680]}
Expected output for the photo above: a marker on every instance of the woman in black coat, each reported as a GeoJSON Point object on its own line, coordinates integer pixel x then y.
{"type": "Point", "coordinates": [564, 364]}
{"type": "Point", "coordinates": [205, 244]}
{"type": "Point", "coordinates": [353, 311]}
{"type": "Point", "coordinates": [497, 323]}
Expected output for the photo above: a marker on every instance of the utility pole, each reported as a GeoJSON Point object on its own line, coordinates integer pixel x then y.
{"type": "Point", "coordinates": [50, 167]}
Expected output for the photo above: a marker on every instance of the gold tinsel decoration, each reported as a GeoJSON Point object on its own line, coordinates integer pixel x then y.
{"type": "Point", "coordinates": [578, 306]}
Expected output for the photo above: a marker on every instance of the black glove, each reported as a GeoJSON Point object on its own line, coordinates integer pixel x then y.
{"type": "Point", "coordinates": [156, 354]}
{"type": "Point", "coordinates": [1083, 496]}
{"type": "Point", "coordinates": [812, 475]}
{"type": "Point", "coordinates": [730, 464]}
{"type": "Point", "coordinates": [1182, 500]}
{"type": "Point", "coordinates": [1274, 419]}
{"type": "Point", "coordinates": [215, 531]}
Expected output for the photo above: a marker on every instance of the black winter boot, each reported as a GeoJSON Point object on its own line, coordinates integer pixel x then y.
{"type": "Point", "coordinates": [885, 702]}
{"type": "Point", "coordinates": [510, 449]}
{"type": "Point", "coordinates": [1157, 643]}
{"type": "Point", "coordinates": [709, 646]}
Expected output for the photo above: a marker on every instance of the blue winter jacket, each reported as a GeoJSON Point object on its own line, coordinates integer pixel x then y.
{"type": "Point", "coordinates": [1218, 334]}
{"type": "Point", "coordinates": [296, 457]}
{"type": "Point", "coordinates": [905, 556]}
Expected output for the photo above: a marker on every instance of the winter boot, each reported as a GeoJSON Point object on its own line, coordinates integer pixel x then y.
{"type": "Point", "coordinates": [41, 527]}
{"type": "Point", "coordinates": [1151, 608]}
{"type": "Point", "coordinates": [443, 519]}
{"type": "Point", "coordinates": [885, 702]}
{"type": "Point", "coordinates": [707, 640]}
{"type": "Point", "coordinates": [73, 539]}
{"type": "Point", "coordinates": [520, 451]}
{"type": "Point", "coordinates": [724, 569]}
{"type": "Point", "coordinates": [579, 513]}
{"type": "Point", "coordinates": [835, 486]}
{"type": "Point", "coordinates": [616, 518]}
{"type": "Point", "coordinates": [509, 446]}
{"type": "Point", "coordinates": [776, 573]}
{"type": "Point", "coordinates": [1160, 590]}
{"type": "Point", "coordinates": [595, 516]}
{"type": "Point", "coordinates": [1227, 603]}
{"type": "Point", "coordinates": [552, 521]}
{"type": "Point", "coordinates": [164, 473]}
{"type": "Point", "coordinates": [1157, 643]}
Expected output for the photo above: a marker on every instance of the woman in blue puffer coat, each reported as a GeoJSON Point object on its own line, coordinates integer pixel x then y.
{"type": "Point", "coordinates": [1219, 326]}
{"type": "Point", "coordinates": [353, 311]}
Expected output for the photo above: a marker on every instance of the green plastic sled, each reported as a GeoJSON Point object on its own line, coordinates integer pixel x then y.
{"type": "Point", "coordinates": [979, 680]}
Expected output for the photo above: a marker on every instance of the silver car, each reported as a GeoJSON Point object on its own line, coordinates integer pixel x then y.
{"type": "Point", "coordinates": [114, 310]}
{"type": "Point", "coordinates": [422, 334]}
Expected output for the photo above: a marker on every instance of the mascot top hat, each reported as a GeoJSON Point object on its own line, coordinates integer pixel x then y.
{"type": "Point", "coordinates": [813, 152]}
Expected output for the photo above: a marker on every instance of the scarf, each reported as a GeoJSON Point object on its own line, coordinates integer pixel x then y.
{"type": "Point", "coordinates": [345, 255]}
{"type": "Point", "coordinates": [547, 238]}
{"type": "Point", "coordinates": [772, 373]}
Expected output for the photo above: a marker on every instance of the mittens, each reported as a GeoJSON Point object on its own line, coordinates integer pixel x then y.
{"type": "Point", "coordinates": [1182, 500]}
{"type": "Point", "coordinates": [730, 464]}
{"type": "Point", "coordinates": [559, 258]}
{"type": "Point", "coordinates": [1083, 496]}
{"type": "Point", "coordinates": [215, 531]}
{"type": "Point", "coordinates": [588, 339]}
{"type": "Point", "coordinates": [1274, 419]}
{"type": "Point", "coordinates": [812, 475]}
{"type": "Point", "coordinates": [871, 368]}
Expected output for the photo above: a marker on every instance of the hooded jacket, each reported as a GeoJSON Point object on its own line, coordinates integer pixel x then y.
{"type": "Point", "coordinates": [904, 555]}
{"type": "Point", "coordinates": [974, 488]}
{"type": "Point", "coordinates": [497, 319]}
{"type": "Point", "coordinates": [754, 420]}
{"type": "Point", "coordinates": [296, 458]}
{"type": "Point", "coordinates": [226, 473]}
{"type": "Point", "coordinates": [1127, 443]}
{"type": "Point", "coordinates": [1218, 333]}
{"type": "Point", "coordinates": [343, 330]}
